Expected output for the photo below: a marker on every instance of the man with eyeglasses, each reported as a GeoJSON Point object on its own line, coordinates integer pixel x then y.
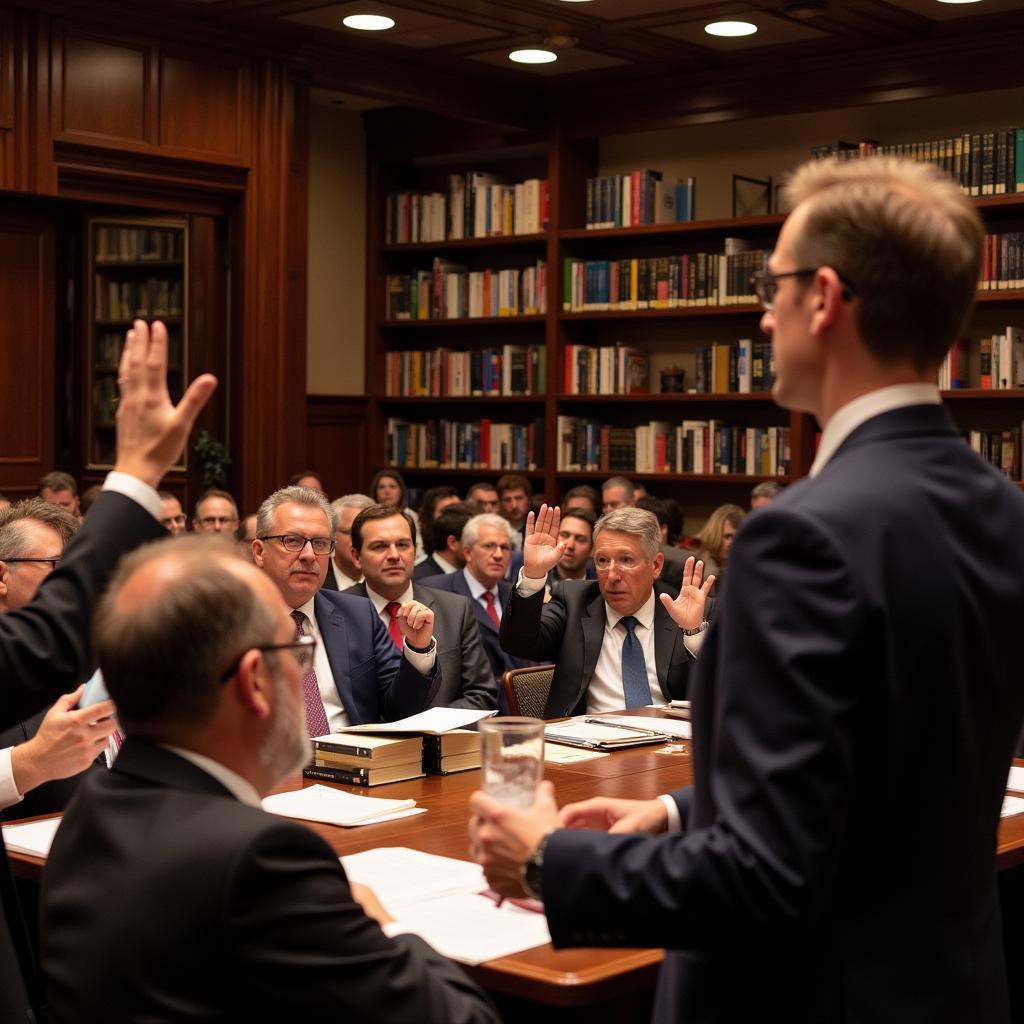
{"type": "Point", "coordinates": [359, 675]}
{"type": "Point", "coordinates": [171, 516]}
{"type": "Point", "coordinates": [216, 512]}
{"type": "Point", "coordinates": [169, 894]}
{"type": "Point", "coordinates": [384, 548]}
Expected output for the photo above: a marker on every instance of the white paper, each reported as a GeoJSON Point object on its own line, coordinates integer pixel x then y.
{"type": "Point", "coordinates": [589, 732]}
{"type": "Point", "coordinates": [431, 722]}
{"type": "Point", "coordinates": [33, 837]}
{"type": "Point", "coordinates": [559, 754]}
{"type": "Point", "coordinates": [1016, 780]}
{"type": "Point", "coordinates": [336, 807]}
{"type": "Point", "coordinates": [1012, 805]}
{"type": "Point", "coordinates": [666, 726]}
{"type": "Point", "coordinates": [441, 900]}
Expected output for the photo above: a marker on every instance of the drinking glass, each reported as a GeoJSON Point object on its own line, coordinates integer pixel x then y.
{"type": "Point", "coordinates": [512, 758]}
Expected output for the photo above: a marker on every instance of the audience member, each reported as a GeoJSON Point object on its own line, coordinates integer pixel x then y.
{"type": "Point", "coordinates": [600, 667]}
{"type": "Point", "coordinates": [388, 488]}
{"type": "Point", "coordinates": [172, 518]}
{"type": "Point", "coordinates": [88, 496]}
{"type": "Point", "coordinates": [617, 492]}
{"type": "Point", "coordinates": [383, 546]}
{"type": "Point", "coordinates": [715, 539]}
{"type": "Point", "coordinates": [583, 496]}
{"type": "Point", "coordinates": [169, 893]}
{"type": "Point", "coordinates": [447, 542]}
{"type": "Point", "coordinates": [308, 478]}
{"type": "Point", "coordinates": [485, 496]}
{"type": "Point", "coordinates": [61, 489]}
{"type": "Point", "coordinates": [764, 493]}
{"type": "Point", "coordinates": [674, 526]}
{"type": "Point", "coordinates": [246, 532]}
{"type": "Point", "coordinates": [576, 535]}
{"type": "Point", "coordinates": [514, 493]}
{"type": "Point", "coordinates": [358, 675]}
{"type": "Point", "coordinates": [342, 571]}
{"type": "Point", "coordinates": [435, 501]}
{"type": "Point", "coordinates": [675, 560]}
{"type": "Point", "coordinates": [215, 512]}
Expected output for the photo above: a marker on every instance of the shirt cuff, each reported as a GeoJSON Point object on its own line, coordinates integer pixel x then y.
{"type": "Point", "coordinates": [423, 663]}
{"type": "Point", "coordinates": [675, 822]}
{"type": "Point", "coordinates": [393, 928]}
{"type": "Point", "coordinates": [694, 643]}
{"type": "Point", "coordinates": [132, 487]}
{"type": "Point", "coordinates": [527, 586]}
{"type": "Point", "coordinates": [9, 794]}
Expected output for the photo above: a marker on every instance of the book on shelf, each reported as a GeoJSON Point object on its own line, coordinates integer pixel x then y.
{"type": "Point", "coordinates": [1002, 264]}
{"type": "Point", "coordinates": [477, 444]}
{"type": "Point", "coordinates": [449, 291]}
{"type": "Point", "coordinates": [137, 245]}
{"type": "Point", "coordinates": [499, 372]}
{"type": "Point", "coordinates": [123, 300]}
{"type": "Point", "coordinates": [475, 205]}
{"type": "Point", "coordinates": [455, 751]}
{"type": "Point", "coordinates": [606, 370]}
{"type": "Point", "coordinates": [995, 362]}
{"type": "Point", "coordinates": [1000, 448]}
{"type": "Point", "coordinates": [661, 282]}
{"type": "Point", "coordinates": [740, 367]}
{"type": "Point", "coordinates": [640, 197]}
{"type": "Point", "coordinates": [704, 447]}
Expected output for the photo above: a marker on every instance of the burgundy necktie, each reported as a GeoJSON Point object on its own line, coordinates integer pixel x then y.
{"type": "Point", "coordinates": [396, 633]}
{"type": "Point", "coordinates": [492, 612]}
{"type": "Point", "coordinates": [316, 716]}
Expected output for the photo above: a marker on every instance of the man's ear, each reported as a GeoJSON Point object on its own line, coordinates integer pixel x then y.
{"type": "Point", "coordinates": [257, 553]}
{"type": "Point", "coordinates": [253, 686]}
{"type": "Point", "coordinates": [831, 299]}
{"type": "Point", "coordinates": [354, 555]}
{"type": "Point", "coordinates": [452, 544]}
{"type": "Point", "coordinates": [658, 563]}
{"type": "Point", "coordinates": [3, 583]}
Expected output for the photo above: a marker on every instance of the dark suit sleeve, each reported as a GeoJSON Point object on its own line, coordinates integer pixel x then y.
{"type": "Point", "coordinates": [779, 771]}
{"type": "Point", "coordinates": [299, 936]}
{"type": "Point", "coordinates": [478, 685]}
{"type": "Point", "coordinates": [532, 629]}
{"type": "Point", "coordinates": [403, 690]}
{"type": "Point", "coordinates": [45, 646]}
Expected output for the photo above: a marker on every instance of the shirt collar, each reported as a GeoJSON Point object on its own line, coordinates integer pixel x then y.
{"type": "Point", "coordinates": [342, 578]}
{"type": "Point", "coordinates": [380, 603]}
{"type": "Point", "coordinates": [476, 588]}
{"type": "Point", "coordinates": [240, 788]}
{"type": "Point", "coordinates": [644, 614]}
{"type": "Point", "coordinates": [866, 407]}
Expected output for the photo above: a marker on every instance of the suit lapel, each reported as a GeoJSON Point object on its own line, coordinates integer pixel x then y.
{"type": "Point", "coordinates": [666, 636]}
{"type": "Point", "coordinates": [334, 631]}
{"type": "Point", "coordinates": [593, 623]}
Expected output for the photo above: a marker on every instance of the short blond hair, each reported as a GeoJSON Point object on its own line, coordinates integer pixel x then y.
{"type": "Point", "coordinates": [907, 240]}
{"type": "Point", "coordinates": [713, 531]}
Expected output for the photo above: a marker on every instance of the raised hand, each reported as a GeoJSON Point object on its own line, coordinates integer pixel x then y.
{"type": "Point", "coordinates": [687, 610]}
{"type": "Point", "coordinates": [542, 549]}
{"type": "Point", "coordinates": [416, 621]}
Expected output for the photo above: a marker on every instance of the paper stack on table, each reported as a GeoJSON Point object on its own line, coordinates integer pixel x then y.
{"type": "Point", "coordinates": [678, 729]}
{"type": "Point", "coordinates": [431, 722]}
{"type": "Point", "coordinates": [32, 837]}
{"type": "Point", "coordinates": [443, 901]}
{"type": "Point", "coordinates": [1016, 780]}
{"type": "Point", "coordinates": [336, 807]}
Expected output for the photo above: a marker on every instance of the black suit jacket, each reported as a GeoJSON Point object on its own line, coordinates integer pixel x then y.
{"type": "Point", "coordinates": [167, 899]}
{"type": "Point", "coordinates": [870, 632]}
{"type": "Point", "coordinates": [430, 566]}
{"type": "Point", "coordinates": [467, 679]}
{"type": "Point", "coordinates": [569, 630]}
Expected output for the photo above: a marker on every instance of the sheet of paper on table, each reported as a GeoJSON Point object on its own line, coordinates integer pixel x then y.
{"type": "Point", "coordinates": [1016, 780]}
{"type": "Point", "coordinates": [32, 837]}
{"type": "Point", "coordinates": [441, 900]}
{"type": "Point", "coordinates": [431, 722]}
{"type": "Point", "coordinates": [559, 754]}
{"type": "Point", "coordinates": [1012, 805]}
{"type": "Point", "coordinates": [674, 727]}
{"type": "Point", "coordinates": [336, 807]}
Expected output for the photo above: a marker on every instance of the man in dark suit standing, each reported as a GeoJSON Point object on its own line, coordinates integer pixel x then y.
{"type": "Point", "coordinates": [613, 643]}
{"type": "Point", "coordinates": [169, 893]}
{"type": "Point", "coordinates": [358, 675]}
{"type": "Point", "coordinates": [383, 547]}
{"type": "Point", "coordinates": [872, 620]}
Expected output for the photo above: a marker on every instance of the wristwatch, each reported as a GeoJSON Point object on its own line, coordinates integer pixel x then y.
{"type": "Point", "coordinates": [531, 873]}
{"type": "Point", "coordinates": [694, 632]}
{"type": "Point", "coordinates": [421, 650]}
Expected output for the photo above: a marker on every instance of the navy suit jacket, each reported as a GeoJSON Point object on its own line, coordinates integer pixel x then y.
{"type": "Point", "coordinates": [870, 630]}
{"type": "Point", "coordinates": [427, 568]}
{"type": "Point", "coordinates": [375, 681]}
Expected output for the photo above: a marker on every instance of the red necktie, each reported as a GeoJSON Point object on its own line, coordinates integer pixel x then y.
{"type": "Point", "coordinates": [492, 612]}
{"type": "Point", "coordinates": [316, 716]}
{"type": "Point", "coordinates": [396, 634]}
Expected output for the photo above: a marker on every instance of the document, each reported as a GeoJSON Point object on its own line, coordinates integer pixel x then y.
{"type": "Point", "coordinates": [601, 734]}
{"type": "Point", "coordinates": [1012, 805]}
{"type": "Point", "coordinates": [336, 807]}
{"type": "Point", "coordinates": [1016, 780]}
{"type": "Point", "coordinates": [443, 901]}
{"type": "Point", "coordinates": [431, 722]}
{"type": "Point", "coordinates": [674, 727]}
{"type": "Point", "coordinates": [33, 837]}
{"type": "Point", "coordinates": [558, 754]}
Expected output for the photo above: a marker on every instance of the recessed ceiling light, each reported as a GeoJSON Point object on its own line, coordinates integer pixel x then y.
{"type": "Point", "coordinates": [533, 56]}
{"type": "Point", "coordinates": [368, 22]}
{"type": "Point", "coordinates": [730, 28]}
{"type": "Point", "coordinates": [959, 1]}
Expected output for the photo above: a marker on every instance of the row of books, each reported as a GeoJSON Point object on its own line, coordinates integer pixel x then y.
{"type": "Point", "coordinates": [456, 444]}
{"type": "Point", "coordinates": [993, 363]}
{"type": "Point", "coordinates": [742, 366]}
{"type": "Point", "coordinates": [450, 291]}
{"type": "Point", "coordinates": [1001, 448]}
{"type": "Point", "coordinates": [703, 447]}
{"type": "Point", "coordinates": [126, 245]}
{"type": "Point", "coordinates": [476, 205]}
{"type": "Point", "coordinates": [366, 760]}
{"type": "Point", "coordinates": [1002, 263]}
{"type": "Point", "coordinates": [660, 282]}
{"type": "Point", "coordinates": [125, 300]}
{"type": "Point", "coordinates": [640, 197]}
{"type": "Point", "coordinates": [509, 370]}
{"type": "Point", "coordinates": [606, 370]}
{"type": "Point", "coordinates": [981, 163]}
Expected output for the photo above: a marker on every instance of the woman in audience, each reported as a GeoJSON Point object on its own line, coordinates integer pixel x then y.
{"type": "Point", "coordinates": [715, 539]}
{"type": "Point", "coordinates": [388, 488]}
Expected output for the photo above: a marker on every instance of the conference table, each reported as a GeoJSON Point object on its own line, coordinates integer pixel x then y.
{"type": "Point", "coordinates": [546, 982]}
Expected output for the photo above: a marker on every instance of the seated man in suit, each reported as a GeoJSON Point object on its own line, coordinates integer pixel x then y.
{"type": "Point", "coordinates": [446, 536]}
{"type": "Point", "coordinates": [216, 512]}
{"type": "Point", "coordinates": [41, 758]}
{"type": "Point", "coordinates": [486, 546]}
{"type": "Point", "coordinates": [358, 675]}
{"type": "Point", "coordinates": [383, 546]}
{"type": "Point", "coordinates": [342, 572]}
{"type": "Point", "coordinates": [612, 639]}
{"type": "Point", "coordinates": [169, 893]}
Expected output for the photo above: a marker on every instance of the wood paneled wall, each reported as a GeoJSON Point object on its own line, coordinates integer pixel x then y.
{"type": "Point", "coordinates": [336, 427]}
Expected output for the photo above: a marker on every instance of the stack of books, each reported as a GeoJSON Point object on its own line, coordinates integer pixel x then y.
{"type": "Point", "coordinates": [455, 751]}
{"type": "Point", "coordinates": [362, 760]}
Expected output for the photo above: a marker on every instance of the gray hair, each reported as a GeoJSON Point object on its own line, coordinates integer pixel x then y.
{"type": "Point", "coordinates": [298, 496]}
{"type": "Point", "coordinates": [621, 481]}
{"type": "Point", "coordinates": [359, 501]}
{"type": "Point", "coordinates": [637, 521]}
{"type": "Point", "coordinates": [471, 531]}
{"type": "Point", "coordinates": [766, 489]}
{"type": "Point", "coordinates": [14, 537]}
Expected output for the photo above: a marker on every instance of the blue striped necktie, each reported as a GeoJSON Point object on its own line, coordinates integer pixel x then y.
{"type": "Point", "coordinates": [635, 687]}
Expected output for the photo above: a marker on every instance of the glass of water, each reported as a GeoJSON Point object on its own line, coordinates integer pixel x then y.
{"type": "Point", "coordinates": [512, 758]}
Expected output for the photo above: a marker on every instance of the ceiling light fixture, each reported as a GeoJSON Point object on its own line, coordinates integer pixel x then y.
{"type": "Point", "coordinates": [959, 1]}
{"type": "Point", "coordinates": [368, 22]}
{"type": "Point", "coordinates": [730, 29]}
{"type": "Point", "coordinates": [533, 56]}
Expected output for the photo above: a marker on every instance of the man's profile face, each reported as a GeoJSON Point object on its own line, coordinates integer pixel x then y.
{"type": "Point", "coordinates": [171, 516]}
{"type": "Point", "coordinates": [625, 574]}
{"type": "Point", "coordinates": [515, 505]}
{"type": "Point", "coordinates": [486, 498]}
{"type": "Point", "coordinates": [298, 574]}
{"type": "Point", "coordinates": [64, 498]}
{"type": "Point", "coordinates": [19, 581]}
{"type": "Point", "coordinates": [215, 515]}
{"type": "Point", "coordinates": [443, 503]}
{"type": "Point", "coordinates": [343, 542]}
{"type": "Point", "coordinates": [387, 555]}
{"type": "Point", "coordinates": [488, 558]}
{"type": "Point", "coordinates": [614, 497]}
{"type": "Point", "coordinates": [575, 534]}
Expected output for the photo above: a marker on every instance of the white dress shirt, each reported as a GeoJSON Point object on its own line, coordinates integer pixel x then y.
{"type": "Point", "coordinates": [342, 578]}
{"type": "Point", "coordinates": [230, 780]}
{"type": "Point", "coordinates": [477, 589]}
{"type": "Point", "coordinates": [423, 663]}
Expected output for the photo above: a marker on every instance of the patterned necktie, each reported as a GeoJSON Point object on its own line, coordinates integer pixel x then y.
{"type": "Point", "coordinates": [492, 612]}
{"type": "Point", "coordinates": [635, 686]}
{"type": "Point", "coordinates": [316, 716]}
{"type": "Point", "coordinates": [393, 628]}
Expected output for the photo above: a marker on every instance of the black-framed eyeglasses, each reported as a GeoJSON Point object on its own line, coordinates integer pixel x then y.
{"type": "Point", "coordinates": [53, 562]}
{"type": "Point", "coordinates": [303, 649]}
{"type": "Point", "coordinates": [765, 283]}
{"type": "Point", "coordinates": [296, 542]}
